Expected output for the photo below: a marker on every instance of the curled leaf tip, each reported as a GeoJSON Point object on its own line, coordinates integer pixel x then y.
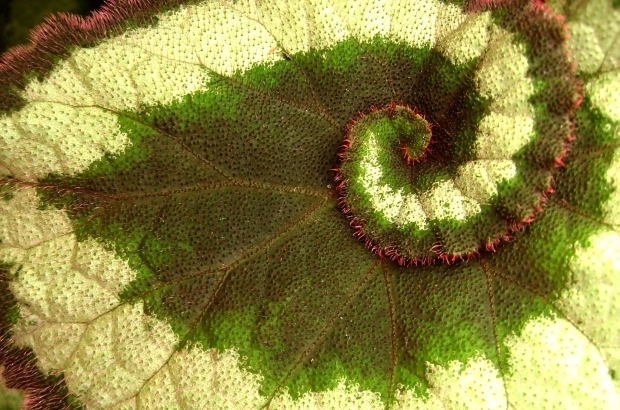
{"type": "Point", "coordinates": [378, 204]}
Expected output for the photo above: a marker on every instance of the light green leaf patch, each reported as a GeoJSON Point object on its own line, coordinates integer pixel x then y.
{"type": "Point", "coordinates": [116, 353]}
{"type": "Point", "coordinates": [113, 355]}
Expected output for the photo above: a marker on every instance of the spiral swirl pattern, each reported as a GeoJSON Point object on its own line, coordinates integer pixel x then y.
{"type": "Point", "coordinates": [174, 179]}
{"type": "Point", "coordinates": [488, 164]}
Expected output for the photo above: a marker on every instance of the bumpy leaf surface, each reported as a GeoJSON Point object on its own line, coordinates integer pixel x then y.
{"type": "Point", "coordinates": [172, 234]}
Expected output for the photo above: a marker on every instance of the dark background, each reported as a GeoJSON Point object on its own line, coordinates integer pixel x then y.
{"type": "Point", "coordinates": [18, 17]}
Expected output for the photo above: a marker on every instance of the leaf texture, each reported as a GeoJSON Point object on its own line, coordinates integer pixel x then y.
{"type": "Point", "coordinates": [172, 235]}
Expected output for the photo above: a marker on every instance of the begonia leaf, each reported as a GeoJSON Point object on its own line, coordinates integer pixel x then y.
{"type": "Point", "coordinates": [328, 204]}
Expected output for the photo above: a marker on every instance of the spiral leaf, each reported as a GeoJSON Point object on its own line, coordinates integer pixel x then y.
{"type": "Point", "coordinates": [321, 205]}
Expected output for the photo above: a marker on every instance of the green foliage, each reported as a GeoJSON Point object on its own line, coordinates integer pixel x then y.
{"type": "Point", "coordinates": [10, 399]}
{"type": "Point", "coordinates": [223, 205]}
{"type": "Point", "coordinates": [177, 205]}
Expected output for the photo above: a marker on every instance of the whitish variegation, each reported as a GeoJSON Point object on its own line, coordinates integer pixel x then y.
{"type": "Point", "coordinates": [331, 204]}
